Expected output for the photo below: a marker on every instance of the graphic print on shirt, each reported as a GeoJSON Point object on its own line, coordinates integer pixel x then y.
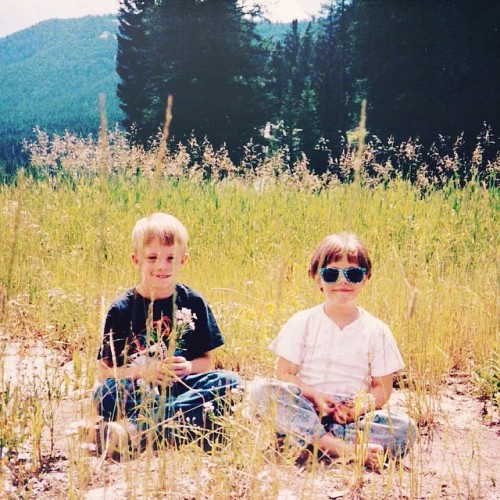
{"type": "Point", "coordinates": [154, 343]}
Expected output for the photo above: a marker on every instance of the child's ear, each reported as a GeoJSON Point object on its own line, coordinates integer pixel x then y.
{"type": "Point", "coordinates": [318, 283]}
{"type": "Point", "coordinates": [184, 258]}
{"type": "Point", "coordinates": [134, 259]}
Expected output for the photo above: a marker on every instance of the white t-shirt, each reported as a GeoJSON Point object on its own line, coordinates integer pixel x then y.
{"type": "Point", "coordinates": [335, 361]}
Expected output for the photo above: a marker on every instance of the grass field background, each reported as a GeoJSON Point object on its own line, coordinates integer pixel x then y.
{"type": "Point", "coordinates": [65, 254]}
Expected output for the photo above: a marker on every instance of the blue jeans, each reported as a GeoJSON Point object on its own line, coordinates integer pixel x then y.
{"type": "Point", "coordinates": [296, 417]}
{"type": "Point", "coordinates": [177, 413]}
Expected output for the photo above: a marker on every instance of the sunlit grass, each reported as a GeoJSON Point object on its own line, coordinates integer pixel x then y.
{"type": "Point", "coordinates": [66, 254]}
{"type": "Point", "coordinates": [435, 269]}
{"type": "Point", "coordinates": [434, 281]}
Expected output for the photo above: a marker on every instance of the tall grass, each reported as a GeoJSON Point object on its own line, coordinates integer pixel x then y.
{"type": "Point", "coordinates": [66, 254]}
{"type": "Point", "coordinates": [67, 249]}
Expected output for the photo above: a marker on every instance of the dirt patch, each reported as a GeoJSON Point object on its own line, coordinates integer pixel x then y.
{"type": "Point", "coordinates": [457, 455]}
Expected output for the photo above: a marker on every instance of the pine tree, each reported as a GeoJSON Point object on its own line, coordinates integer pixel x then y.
{"type": "Point", "coordinates": [206, 54]}
{"type": "Point", "coordinates": [336, 87]}
{"type": "Point", "coordinates": [294, 101]}
{"type": "Point", "coordinates": [430, 68]}
{"type": "Point", "coordinates": [132, 66]}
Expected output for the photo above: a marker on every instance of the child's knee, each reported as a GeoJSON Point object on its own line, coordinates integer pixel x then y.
{"type": "Point", "coordinates": [265, 394]}
{"type": "Point", "coordinates": [409, 431]}
{"type": "Point", "coordinates": [405, 434]}
{"type": "Point", "coordinates": [115, 399]}
{"type": "Point", "coordinates": [228, 379]}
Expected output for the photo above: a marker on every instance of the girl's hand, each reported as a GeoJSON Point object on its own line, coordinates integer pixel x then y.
{"type": "Point", "coordinates": [351, 409]}
{"type": "Point", "coordinates": [324, 404]}
{"type": "Point", "coordinates": [344, 412]}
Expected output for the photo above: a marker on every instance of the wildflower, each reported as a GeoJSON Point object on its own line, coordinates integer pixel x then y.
{"type": "Point", "coordinates": [208, 406]}
{"type": "Point", "coordinates": [185, 319]}
{"type": "Point", "coordinates": [154, 345]}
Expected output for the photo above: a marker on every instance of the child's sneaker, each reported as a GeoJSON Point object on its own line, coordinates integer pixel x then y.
{"type": "Point", "coordinates": [119, 440]}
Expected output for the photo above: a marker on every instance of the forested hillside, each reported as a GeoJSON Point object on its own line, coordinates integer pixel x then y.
{"type": "Point", "coordinates": [51, 76]}
{"type": "Point", "coordinates": [429, 73]}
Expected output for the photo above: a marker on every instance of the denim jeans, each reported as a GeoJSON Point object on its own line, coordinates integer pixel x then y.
{"type": "Point", "coordinates": [295, 416]}
{"type": "Point", "coordinates": [179, 412]}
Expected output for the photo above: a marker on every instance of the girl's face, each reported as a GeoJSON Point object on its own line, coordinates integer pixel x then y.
{"type": "Point", "coordinates": [159, 266]}
{"type": "Point", "coordinates": [341, 293]}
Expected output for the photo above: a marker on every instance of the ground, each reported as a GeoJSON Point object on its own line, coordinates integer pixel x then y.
{"type": "Point", "coordinates": [457, 455]}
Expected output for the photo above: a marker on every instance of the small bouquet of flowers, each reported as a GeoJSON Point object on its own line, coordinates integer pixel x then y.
{"type": "Point", "coordinates": [162, 340]}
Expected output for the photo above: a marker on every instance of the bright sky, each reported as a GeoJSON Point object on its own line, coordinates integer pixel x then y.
{"type": "Point", "coordinates": [16, 15]}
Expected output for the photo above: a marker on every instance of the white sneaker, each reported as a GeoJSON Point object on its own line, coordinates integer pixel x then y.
{"type": "Point", "coordinates": [120, 440]}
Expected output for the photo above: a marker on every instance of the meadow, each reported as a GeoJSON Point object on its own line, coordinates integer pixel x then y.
{"type": "Point", "coordinates": [65, 255]}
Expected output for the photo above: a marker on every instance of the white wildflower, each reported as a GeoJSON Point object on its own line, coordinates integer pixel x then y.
{"type": "Point", "coordinates": [208, 406]}
{"type": "Point", "coordinates": [185, 318]}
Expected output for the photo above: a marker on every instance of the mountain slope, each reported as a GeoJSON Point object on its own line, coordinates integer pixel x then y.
{"type": "Point", "coordinates": [51, 74]}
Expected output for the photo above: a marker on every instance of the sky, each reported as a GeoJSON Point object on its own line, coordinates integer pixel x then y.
{"type": "Point", "coordinates": [16, 15]}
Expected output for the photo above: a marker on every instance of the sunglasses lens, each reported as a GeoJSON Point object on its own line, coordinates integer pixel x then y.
{"type": "Point", "coordinates": [329, 275]}
{"type": "Point", "coordinates": [355, 274]}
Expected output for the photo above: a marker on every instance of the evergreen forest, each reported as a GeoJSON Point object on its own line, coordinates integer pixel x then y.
{"type": "Point", "coordinates": [428, 72]}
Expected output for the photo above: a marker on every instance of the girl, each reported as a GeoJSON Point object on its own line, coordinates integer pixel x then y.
{"type": "Point", "coordinates": [335, 364]}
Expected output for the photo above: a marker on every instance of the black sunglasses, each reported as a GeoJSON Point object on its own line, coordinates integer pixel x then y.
{"type": "Point", "coordinates": [351, 274]}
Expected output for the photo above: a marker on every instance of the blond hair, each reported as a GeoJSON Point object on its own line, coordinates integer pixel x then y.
{"type": "Point", "coordinates": [336, 246]}
{"type": "Point", "coordinates": [164, 227]}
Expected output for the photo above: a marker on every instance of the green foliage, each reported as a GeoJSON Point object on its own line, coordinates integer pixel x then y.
{"type": "Point", "coordinates": [429, 68]}
{"type": "Point", "coordinates": [301, 84]}
{"type": "Point", "coordinates": [293, 111]}
{"type": "Point", "coordinates": [336, 87]}
{"type": "Point", "coordinates": [487, 379]}
{"type": "Point", "coordinates": [131, 64]}
{"type": "Point", "coordinates": [206, 54]}
{"type": "Point", "coordinates": [51, 79]}
{"type": "Point", "coordinates": [275, 32]}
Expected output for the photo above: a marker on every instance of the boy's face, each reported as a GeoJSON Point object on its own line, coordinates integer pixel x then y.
{"type": "Point", "coordinates": [341, 293]}
{"type": "Point", "coordinates": [158, 266]}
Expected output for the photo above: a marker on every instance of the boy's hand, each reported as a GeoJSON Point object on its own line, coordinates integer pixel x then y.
{"type": "Point", "coordinates": [153, 372]}
{"type": "Point", "coordinates": [178, 366]}
{"type": "Point", "coordinates": [166, 371]}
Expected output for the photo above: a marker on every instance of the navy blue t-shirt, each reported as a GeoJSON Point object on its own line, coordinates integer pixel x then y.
{"type": "Point", "coordinates": [134, 322]}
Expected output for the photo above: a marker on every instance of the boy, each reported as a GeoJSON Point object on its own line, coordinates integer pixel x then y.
{"type": "Point", "coordinates": [335, 364]}
{"type": "Point", "coordinates": [155, 363]}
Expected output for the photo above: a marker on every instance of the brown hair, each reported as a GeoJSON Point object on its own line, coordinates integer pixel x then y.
{"type": "Point", "coordinates": [164, 227]}
{"type": "Point", "coordinates": [336, 246]}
